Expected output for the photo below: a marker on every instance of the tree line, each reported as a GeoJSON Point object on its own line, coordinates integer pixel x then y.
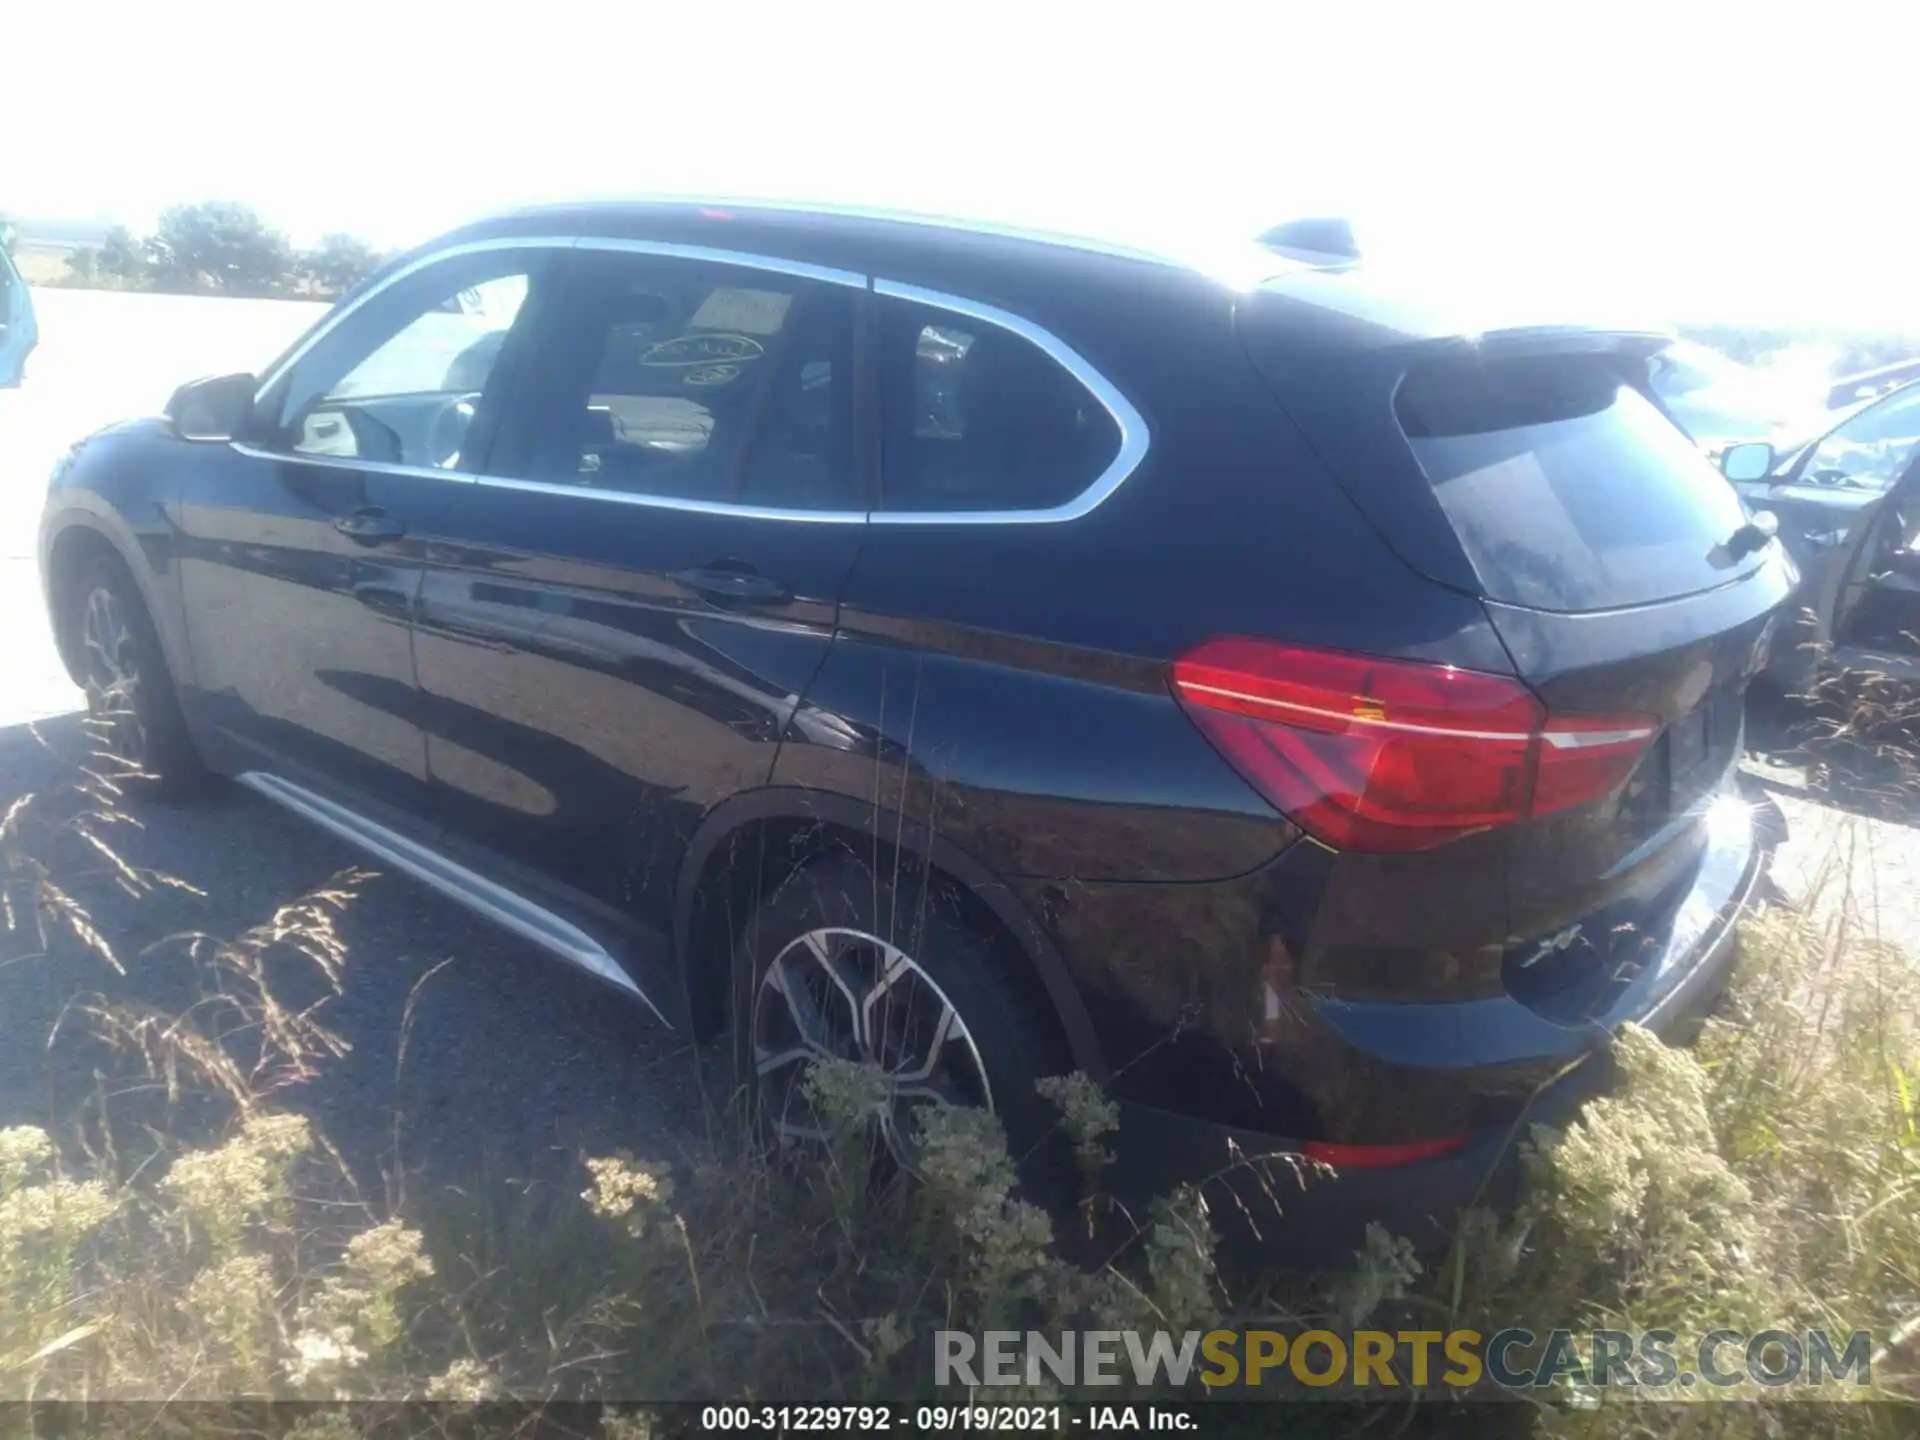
{"type": "Point", "coordinates": [219, 247]}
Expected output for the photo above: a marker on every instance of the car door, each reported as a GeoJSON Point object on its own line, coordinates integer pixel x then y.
{"type": "Point", "coordinates": [18, 333]}
{"type": "Point", "coordinates": [1877, 611]}
{"type": "Point", "coordinates": [301, 544]}
{"type": "Point", "coordinates": [1830, 500]}
{"type": "Point", "coordinates": [622, 613]}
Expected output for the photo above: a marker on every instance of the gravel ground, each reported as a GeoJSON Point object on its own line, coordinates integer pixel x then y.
{"type": "Point", "coordinates": [1845, 840]}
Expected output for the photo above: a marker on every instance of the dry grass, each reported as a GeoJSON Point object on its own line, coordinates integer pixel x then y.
{"type": "Point", "coordinates": [1859, 738]}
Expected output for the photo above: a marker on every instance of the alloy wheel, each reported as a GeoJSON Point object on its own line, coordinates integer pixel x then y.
{"type": "Point", "coordinates": [842, 994]}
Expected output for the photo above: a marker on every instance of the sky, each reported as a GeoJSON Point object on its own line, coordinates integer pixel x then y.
{"type": "Point", "coordinates": [1691, 162]}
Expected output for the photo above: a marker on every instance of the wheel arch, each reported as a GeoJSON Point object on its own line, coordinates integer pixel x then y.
{"type": "Point", "coordinates": [67, 552]}
{"type": "Point", "coordinates": [779, 813]}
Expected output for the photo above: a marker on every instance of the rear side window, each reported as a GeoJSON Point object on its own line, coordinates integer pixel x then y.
{"type": "Point", "coordinates": [1568, 488]}
{"type": "Point", "coordinates": [978, 418]}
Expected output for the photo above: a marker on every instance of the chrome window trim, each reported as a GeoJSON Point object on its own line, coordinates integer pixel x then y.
{"type": "Point", "coordinates": [673, 502]}
{"type": "Point", "coordinates": [1134, 438]}
{"type": "Point", "coordinates": [825, 274]}
{"type": "Point", "coordinates": [348, 462]}
{"type": "Point", "coordinates": [554, 487]}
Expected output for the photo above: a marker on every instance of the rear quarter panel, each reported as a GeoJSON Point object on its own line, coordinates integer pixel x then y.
{"type": "Point", "coordinates": [1007, 682]}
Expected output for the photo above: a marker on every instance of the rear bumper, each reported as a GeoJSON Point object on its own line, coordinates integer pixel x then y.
{"type": "Point", "coordinates": [1266, 1201]}
{"type": "Point", "coordinates": [1262, 1195]}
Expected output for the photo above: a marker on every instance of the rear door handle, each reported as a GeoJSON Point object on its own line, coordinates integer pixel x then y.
{"type": "Point", "coordinates": [734, 584]}
{"type": "Point", "coordinates": [369, 526]}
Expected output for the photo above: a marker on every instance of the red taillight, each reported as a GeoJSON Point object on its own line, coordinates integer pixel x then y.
{"type": "Point", "coordinates": [1388, 755]}
{"type": "Point", "coordinates": [1377, 1157]}
{"type": "Point", "coordinates": [1583, 757]}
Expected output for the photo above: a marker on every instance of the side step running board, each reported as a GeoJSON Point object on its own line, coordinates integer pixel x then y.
{"type": "Point", "coordinates": [455, 881]}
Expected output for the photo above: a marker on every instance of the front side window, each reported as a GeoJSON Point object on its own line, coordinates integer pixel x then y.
{"type": "Point", "coordinates": [1870, 451]}
{"type": "Point", "coordinates": [400, 381]}
{"type": "Point", "coordinates": [689, 380]}
{"type": "Point", "coordinates": [978, 418]}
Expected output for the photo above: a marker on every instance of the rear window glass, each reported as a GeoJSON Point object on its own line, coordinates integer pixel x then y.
{"type": "Point", "coordinates": [1568, 488]}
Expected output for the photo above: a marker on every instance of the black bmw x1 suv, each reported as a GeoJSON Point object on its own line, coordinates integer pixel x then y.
{"type": "Point", "coordinates": [982, 653]}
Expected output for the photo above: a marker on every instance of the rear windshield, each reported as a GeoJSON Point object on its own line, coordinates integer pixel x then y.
{"type": "Point", "coordinates": [1568, 488]}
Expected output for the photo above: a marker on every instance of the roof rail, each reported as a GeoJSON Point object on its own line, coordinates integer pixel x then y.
{"type": "Point", "coordinates": [973, 224]}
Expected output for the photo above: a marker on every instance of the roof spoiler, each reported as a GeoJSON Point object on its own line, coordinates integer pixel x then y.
{"type": "Point", "coordinates": [1316, 240]}
{"type": "Point", "coordinates": [1524, 340]}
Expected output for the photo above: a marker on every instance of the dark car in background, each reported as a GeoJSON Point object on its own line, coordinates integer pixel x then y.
{"type": "Point", "coordinates": [982, 654]}
{"type": "Point", "coordinates": [1847, 506]}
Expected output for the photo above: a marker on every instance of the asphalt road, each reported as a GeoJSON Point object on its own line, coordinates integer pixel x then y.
{"type": "Point", "coordinates": [511, 1055]}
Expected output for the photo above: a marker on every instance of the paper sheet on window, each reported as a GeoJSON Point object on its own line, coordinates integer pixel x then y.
{"type": "Point", "coordinates": [744, 312]}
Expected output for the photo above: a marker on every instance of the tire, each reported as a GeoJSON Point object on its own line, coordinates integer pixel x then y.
{"type": "Point", "coordinates": [920, 956]}
{"type": "Point", "coordinates": [130, 694]}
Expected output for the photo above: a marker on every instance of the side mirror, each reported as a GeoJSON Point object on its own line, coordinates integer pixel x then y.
{"type": "Point", "coordinates": [1748, 462]}
{"type": "Point", "coordinates": [212, 410]}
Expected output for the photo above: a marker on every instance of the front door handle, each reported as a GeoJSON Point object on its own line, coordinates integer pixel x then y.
{"type": "Point", "coordinates": [726, 583]}
{"type": "Point", "coordinates": [369, 526]}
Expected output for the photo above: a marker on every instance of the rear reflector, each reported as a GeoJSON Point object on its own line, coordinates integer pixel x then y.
{"type": "Point", "coordinates": [1377, 1157]}
{"type": "Point", "coordinates": [1395, 755]}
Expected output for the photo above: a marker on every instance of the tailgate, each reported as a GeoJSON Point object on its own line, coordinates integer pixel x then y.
{"type": "Point", "coordinates": [1594, 889]}
{"type": "Point", "coordinates": [1616, 566]}
{"type": "Point", "coordinates": [1530, 468]}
